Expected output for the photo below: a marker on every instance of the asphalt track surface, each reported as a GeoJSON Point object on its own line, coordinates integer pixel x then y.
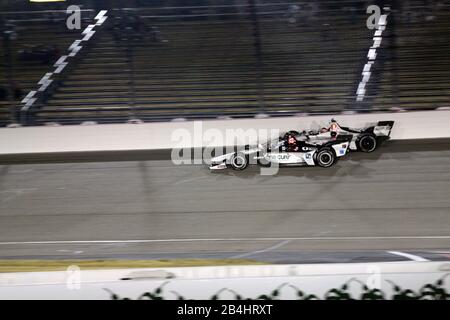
{"type": "Point", "coordinates": [366, 206]}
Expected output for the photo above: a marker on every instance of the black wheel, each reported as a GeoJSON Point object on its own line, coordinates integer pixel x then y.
{"type": "Point", "coordinates": [325, 158]}
{"type": "Point", "coordinates": [367, 143]}
{"type": "Point", "coordinates": [239, 161]}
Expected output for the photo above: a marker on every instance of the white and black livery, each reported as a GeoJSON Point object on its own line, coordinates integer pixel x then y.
{"type": "Point", "coordinates": [290, 149]}
{"type": "Point", "coordinates": [366, 139]}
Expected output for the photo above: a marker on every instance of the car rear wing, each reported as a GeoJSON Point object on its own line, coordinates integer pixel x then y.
{"type": "Point", "coordinates": [385, 123]}
{"type": "Point", "coordinates": [383, 128]}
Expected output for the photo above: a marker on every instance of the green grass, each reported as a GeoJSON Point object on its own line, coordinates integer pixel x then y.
{"type": "Point", "coordinates": [61, 265]}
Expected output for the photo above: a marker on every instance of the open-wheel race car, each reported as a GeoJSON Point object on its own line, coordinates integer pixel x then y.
{"type": "Point", "coordinates": [290, 149]}
{"type": "Point", "coordinates": [366, 139]}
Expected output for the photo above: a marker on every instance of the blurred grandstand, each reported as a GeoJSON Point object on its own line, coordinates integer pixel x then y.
{"type": "Point", "coordinates": [164, 60]}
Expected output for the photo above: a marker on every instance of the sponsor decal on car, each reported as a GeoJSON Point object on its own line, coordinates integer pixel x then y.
{"type": "Point", "coordinates": [280, 156]}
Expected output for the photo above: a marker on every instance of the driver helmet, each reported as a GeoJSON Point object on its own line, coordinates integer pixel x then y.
{"type": "Point", "coordinates": [333, 126]}
{"type": "Point", "coordinates": [291, 139]}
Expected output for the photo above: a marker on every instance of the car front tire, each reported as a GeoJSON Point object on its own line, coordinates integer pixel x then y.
{"type": "Point", "coordinates": [325, 158]}
{"type": "Point", "coordinates": [239, 161]}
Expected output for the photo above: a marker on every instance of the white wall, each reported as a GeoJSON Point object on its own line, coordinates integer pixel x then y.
{"type": "Point", "coordinates": [408, 125]}
{"type": "Point", "coordinates": [203, 282]}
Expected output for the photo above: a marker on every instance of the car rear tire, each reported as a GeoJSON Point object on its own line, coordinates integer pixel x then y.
{"type": "Point", "coordinates": [325, 158]}
{"type": "Point", "coordinates": [239, 161]}
{"type": "Point", "coordinates": [367, 143]}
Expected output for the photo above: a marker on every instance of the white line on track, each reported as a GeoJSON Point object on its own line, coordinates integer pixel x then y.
{"type": "Point", "coordinates": [278, 245]}
{"type": "Point", "coordinates": [221, 239]}
{"type": "Point", "coordinates": [409, 256]}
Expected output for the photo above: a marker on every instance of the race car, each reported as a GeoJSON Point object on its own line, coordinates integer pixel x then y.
{"type": "Point", "coordinates": [366, 139]}
{"type": "Point", "coordinates": [289, 149]}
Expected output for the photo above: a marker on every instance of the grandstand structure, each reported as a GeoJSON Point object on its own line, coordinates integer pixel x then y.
{"type": "Point", "coordinates": [243, 59]}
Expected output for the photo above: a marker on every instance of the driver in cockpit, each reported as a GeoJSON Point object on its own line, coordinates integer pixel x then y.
{"type": "Point", "coordinates": [291, 143]}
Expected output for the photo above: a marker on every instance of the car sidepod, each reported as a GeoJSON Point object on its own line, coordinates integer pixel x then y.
{"type": "Point", "coordinates": [341, 149]}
